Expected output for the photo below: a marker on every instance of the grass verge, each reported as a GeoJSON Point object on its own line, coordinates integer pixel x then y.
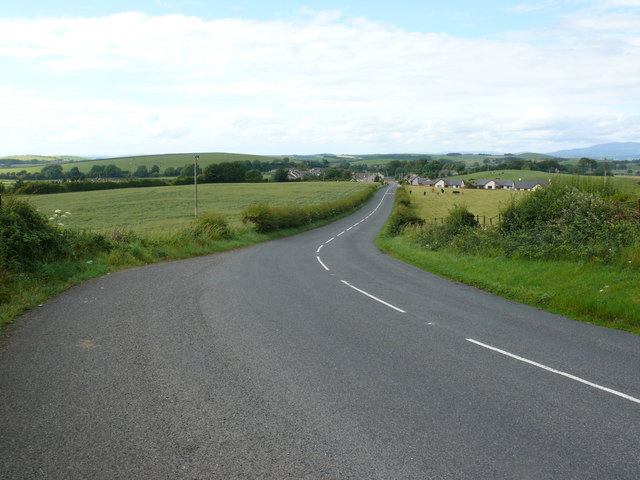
{"type": "Point", "coordinates": [605, 295]}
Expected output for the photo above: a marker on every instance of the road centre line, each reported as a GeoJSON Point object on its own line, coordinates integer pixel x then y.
{"type": "Point", "coordinates": [558, 372]}
{"type": "Point", "coordinates": [319, 248]}
{"type": "Point", "coordinates": [330, 240]}
{"type": "Point", "coordinates": [325, 267]}
{"type": "Point", "coordinates": [373, 297]}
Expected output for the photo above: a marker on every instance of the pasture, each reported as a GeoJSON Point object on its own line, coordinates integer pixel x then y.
{"type": "Point", "coordinates": [162, 210]}
{"type": "Point", "coordinates": [433, 204]}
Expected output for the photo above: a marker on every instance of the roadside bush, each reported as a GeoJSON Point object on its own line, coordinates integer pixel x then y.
{"type": "Point", "coordinates": [573, 220]}
{"type": "Point", "coordinates": [212, 226]}
{"type": "Point", "coordinates": [458, 220]}
{"type": "Point", "coordinates": [402, 197]}
{"type": "Point", "coordinates": [26, 236]}
{"type": "Point", "coordinates": [401, 217]}
{"type": "Point", "coordinates": [266, 218]}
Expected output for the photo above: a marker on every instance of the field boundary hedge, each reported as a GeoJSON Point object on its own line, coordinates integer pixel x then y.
{"type": "Point", "coordinates": [267, 218]}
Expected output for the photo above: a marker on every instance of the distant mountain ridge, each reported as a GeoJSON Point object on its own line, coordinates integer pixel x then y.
{"type": "Point", "coordinates": [612, 151]}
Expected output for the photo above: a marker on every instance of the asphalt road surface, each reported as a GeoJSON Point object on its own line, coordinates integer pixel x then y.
{"type": "Point", "coordinates": [315, 357]}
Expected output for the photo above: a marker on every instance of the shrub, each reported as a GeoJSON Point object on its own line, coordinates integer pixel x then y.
{"type": "Point", "coordinates": [268, 219]}
{"type": "Point", "coordinates": [458, 220]}
{"type": "Point", "coordinates": [26, 236]}
{"type": "Point", "coordinates": [213, 226]}
{"type": "Point", "coordinates": [401, 217]}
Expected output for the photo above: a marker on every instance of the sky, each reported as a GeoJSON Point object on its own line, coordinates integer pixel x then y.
{"type": "Point", "coordinates": [299, 77]}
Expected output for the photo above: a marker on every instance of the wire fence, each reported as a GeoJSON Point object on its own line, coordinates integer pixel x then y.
{"type": "Point", "coordinates": [628, 209]}
{"type": "Point", "coordinates": [482, 220]}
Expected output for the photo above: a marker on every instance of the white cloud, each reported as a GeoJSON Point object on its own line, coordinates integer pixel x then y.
{"type": "Point", "coordinates": [134, 82]}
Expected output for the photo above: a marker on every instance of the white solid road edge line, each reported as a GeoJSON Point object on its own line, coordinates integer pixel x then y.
{"type": "Point", "coordinates": [552, 370]}
{"type": "Point", "coordinates": [324, 266]}
{"type": "Point", "coordinates": [371, 296]}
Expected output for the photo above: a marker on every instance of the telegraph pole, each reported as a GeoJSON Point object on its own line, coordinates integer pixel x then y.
{"type": "Point", "coordinates": [195, 182]}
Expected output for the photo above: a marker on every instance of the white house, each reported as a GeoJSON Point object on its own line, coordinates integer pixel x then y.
{"type": "Point", "coordinates": [450, 183]}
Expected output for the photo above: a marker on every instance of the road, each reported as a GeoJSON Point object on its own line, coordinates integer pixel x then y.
{"type": "Point", "coordinates": [314, 356]}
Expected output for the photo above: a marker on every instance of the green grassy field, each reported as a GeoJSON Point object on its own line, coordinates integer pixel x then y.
{"type": "Point", "coordinates": [159, 210]}
{"type": "Point", "coordinates": [627, 183]}
{"type": "Point", "coordinates": [163, 161]}
{"type": "Point", "coordinates": [44, 159]}
{"type": "Point", "coordinates": [486, 203]}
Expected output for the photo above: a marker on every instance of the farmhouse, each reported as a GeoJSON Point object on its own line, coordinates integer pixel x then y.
{"type": "Point", "coordinates": [530, 184]}
{"type": "Point", "coordinates": [495, 184]}
{"type": "Point", "coordinates": [450, 183]}
{"type": "Point", "coordinates": [367, 177]}
{"type": "Point", "coordinates": [421, 181]}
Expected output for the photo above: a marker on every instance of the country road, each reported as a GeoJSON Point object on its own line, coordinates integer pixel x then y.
{"type": "Point", "coordinates": [312, 357]}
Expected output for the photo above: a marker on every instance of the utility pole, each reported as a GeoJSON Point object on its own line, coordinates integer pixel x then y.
{"type": "Point", "coordinates": [195, 182]}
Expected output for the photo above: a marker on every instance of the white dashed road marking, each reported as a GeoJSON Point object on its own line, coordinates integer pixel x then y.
{"type": "Point", "coordinates": [558, 372]}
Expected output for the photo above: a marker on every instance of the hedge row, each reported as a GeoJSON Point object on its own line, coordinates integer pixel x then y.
{"type": "Point", "coordinates": [41, 188]}
{"type": "Point", "coordinates": [268, 219]}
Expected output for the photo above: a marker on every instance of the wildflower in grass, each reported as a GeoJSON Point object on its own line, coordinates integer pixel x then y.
{"type": "Point", "coordinates": [58, 215]}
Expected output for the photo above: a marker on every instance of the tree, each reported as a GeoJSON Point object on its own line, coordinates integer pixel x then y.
{"type": "Point", "coordinates": [253, 176]}
{"type": "Point", "coordinates": [113, 171]}
{"type": "Point", "coordinates": [154, 170]}
{"type": "Point", "coordinates": [281, 175]}
{"type": "Point", "coordinates": [187, 170]}
{"type": "Point", "coordinates": [212, 173]}
{"type": "Point", "coordinates": [233, 172]}
{"type": "Point", "coordinates": [141, 171]}
{"type": "Point", "coordinates": [52, 172]}
{"type": "Point", "coordinates": [74, 174]}
{"type": "Point", "coordinates": [97, 171]}
{"type": "Point", "coordinates": [170, 172]}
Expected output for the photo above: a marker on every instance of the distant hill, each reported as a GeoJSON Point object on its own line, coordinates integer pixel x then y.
{"type": "Point", "coordinates": [162, 160]}
{"type": "Point", "coordinates": [612, 151]}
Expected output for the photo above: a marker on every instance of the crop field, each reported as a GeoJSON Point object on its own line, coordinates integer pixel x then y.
{"type": "Point", "coordinates": [163, 161]}
{"type": "Point", "coordinates": [159, 210]}
{"type": "Point", "coordinates": [433, 204]}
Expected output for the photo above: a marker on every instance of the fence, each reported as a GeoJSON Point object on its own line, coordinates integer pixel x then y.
{"type": "Point", "coordinates": [481, 219]}
{"type": "Point", "coordinates": [628, 209]}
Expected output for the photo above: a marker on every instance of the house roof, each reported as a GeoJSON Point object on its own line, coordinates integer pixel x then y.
{"type": "Point", "coordinates": [529, 184]}
{"type": "Point", "coordinates": [453, 182]}
{"type": "Point", "coordinates": [504, 182]}
{"type": "Point", "coordinates": [483, 181]}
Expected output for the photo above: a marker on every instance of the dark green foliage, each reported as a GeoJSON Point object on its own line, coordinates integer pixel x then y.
{"type": "Point", "coordinates": [26, 236]}
{"type": "Point", "coordinates": [41, 188]}
{"type": "Point", "coordinates": [268, 219]}
{"type": "Point", "coordinates": [402, 216]}
{"type": "Point", "coordinates": [565, 221]}
{"type": "Point", "coordinates": [225, 172]}
{"type": "Point", "coordinates": [253, 176]}
{"type": "Point", "coordinates": [459, 220]}
{"type": "Point", "coordinates": [280, 175]}
{"type": "Point", "coordinates": [572, 220]}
